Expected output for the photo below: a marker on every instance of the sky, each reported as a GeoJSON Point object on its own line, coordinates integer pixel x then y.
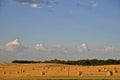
{"type": "Point", "coordinates": [59, 29]}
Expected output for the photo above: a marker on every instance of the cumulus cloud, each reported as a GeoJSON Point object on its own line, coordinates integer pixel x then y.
{"type": "Point", "coordinates": [40, 46]}
{"type": "Point", "coordinates": [14, 46]}
{"type": "Point", "coordinates": [82, 48]}
{"type": "Point", "coordinates": [15, 42]}
{"type": "Point", "coordinates": [84, 45]}
{"type": "Point", "coordinates": [59, 51]}
{"type": "Point", "coordinates": [34, 5]}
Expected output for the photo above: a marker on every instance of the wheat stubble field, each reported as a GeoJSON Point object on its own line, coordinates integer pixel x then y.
{"type": "Point", "coordinates": [38, 71]}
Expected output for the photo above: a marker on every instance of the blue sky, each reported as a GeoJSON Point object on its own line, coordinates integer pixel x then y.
{"type": "Point", "coordinates": [65, 24]}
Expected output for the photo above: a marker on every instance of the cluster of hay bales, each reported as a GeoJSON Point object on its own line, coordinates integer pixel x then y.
{"type": "Point", "coordinates": [18, 70]}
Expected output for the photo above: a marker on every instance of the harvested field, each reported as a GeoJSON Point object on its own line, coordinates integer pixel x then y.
{"type": "Point", "coordinates": [13, 71]}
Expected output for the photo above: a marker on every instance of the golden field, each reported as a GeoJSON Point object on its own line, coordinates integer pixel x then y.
{"type": "Point", "coordinates": [42, 70]}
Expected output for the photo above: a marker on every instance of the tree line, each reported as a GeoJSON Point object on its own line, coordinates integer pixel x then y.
{"type": "Point", "coordinates": [85, 62]}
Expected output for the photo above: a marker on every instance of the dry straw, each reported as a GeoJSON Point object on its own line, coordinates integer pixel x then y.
{"type": "Point", "coordinates": [109, 73]}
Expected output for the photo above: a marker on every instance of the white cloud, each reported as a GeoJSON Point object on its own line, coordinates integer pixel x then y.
{"type": "Point", "coordinates": [84, 45]}
{"type": "Point", "coordinates": [34, 5]}
{"type": "Point", "coordinates": [40, 46]}
{"type": "Point", "coordinates": [15, 42]}
{"type": "Point", "coordinates": [82, 48]}
{"type": "Point", "coordinates": [59, 51]}
{"type": "Point", "coordinates": [94, 5]}
{"type": "Point", "coordinates": [14, 45]}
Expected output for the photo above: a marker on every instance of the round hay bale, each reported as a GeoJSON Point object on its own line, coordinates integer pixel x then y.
{"type": "Point", "coordinates": [43, 73]}
{"type": "Point", "coordinates": [4, 72]}
{"type": "Point", "coordinates": [48, 67]}
{"type": "Point", "coordinates": [115, 68]}
{"type": "Point", "coordinates": [109, 73]}
{"type": "Point", "coordinates": [98, 70]}
{"type": "Point", "coordinates": [33, 68]}
{"type": "Point", "coordinates": [18, 72]}
{"type": "Point", "coordinates": [80, 73]}
{"type": "Point", "coordinates": [116, 71]}
{"type": "Point", "coordinates": [104, 68]}
{"type": "Point", "coordinates": [23, 71]}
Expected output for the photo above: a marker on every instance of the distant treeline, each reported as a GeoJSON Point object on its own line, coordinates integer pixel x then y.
{"type": "Point", "coordinates": [86, 62]}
